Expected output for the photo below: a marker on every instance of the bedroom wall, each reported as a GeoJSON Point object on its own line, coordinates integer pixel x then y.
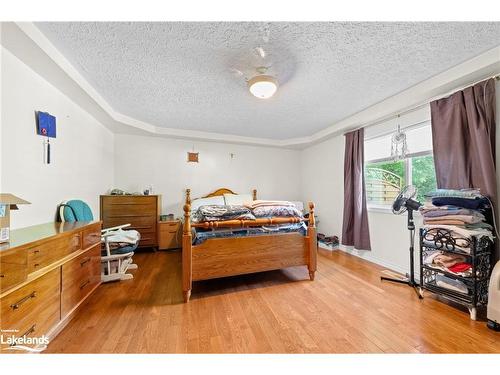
{"type": "Point", "coordinates": [389, 236]}
{"type": "Point", "coordinates": [82, 153]}
{"type": "Point", "coordinates": [161, 162]}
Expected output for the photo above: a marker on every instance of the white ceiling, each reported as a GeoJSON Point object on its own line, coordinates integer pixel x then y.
{"type": "Point", "coordinates": [178, 74]}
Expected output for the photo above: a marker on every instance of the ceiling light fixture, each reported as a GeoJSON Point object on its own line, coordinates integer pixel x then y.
{"type": "Point", "coordinates": [262, 86]}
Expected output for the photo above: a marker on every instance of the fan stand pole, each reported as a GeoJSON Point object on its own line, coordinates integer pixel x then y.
{"type": "Point", "coordinates": [410, 278]}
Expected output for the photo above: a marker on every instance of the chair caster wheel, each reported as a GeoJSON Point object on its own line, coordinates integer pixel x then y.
{"type": "Point", "coordinates": [493, 325]}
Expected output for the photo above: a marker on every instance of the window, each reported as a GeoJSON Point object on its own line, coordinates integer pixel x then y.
{"type": "Point", "coordinates": [385, 177]}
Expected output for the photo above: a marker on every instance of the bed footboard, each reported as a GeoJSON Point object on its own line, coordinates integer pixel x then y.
{"type": "Point", "coordinates": [220, 257]}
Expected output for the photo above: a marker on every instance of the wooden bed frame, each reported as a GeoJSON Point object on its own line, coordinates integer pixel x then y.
{"type": "Point", "coordinates": [220, 257]}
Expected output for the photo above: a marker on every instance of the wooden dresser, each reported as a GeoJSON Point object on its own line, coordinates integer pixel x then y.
{"type": "Point", "coordinates": [140, 211]}
{"type": "Point", "coordinates": [46, 272]}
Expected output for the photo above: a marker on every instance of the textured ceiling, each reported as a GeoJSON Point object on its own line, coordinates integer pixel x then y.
{"type": "Point", "coordinates": [181, 74]}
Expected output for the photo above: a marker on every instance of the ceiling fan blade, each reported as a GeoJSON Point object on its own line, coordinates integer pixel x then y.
{"type": "Point", "coordinates": [238, 73]}
{"type": "Point", "coordinates": [261, 52]}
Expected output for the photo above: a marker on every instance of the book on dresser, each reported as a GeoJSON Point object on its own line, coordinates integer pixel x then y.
{"type": "Point", "coordinates": [47, 272]}
{"type": "Point", "coordinates": [140, 211]}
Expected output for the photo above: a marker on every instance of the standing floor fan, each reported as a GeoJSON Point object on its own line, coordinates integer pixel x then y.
{"type": "Point", "coordinates": [405, 202]}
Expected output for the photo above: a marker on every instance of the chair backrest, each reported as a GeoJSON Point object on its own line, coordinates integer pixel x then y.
{"type": "Point", "coordinates": [76, 210]}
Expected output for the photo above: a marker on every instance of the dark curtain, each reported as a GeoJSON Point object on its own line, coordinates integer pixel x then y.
{"type": "Point", "coordinates": [355, 230]}
{"type": "Point", "coordinates": [463, 136]}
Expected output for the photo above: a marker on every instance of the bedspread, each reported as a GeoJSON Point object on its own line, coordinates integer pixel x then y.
{"type": "Point", "coordinates": [200, 235]}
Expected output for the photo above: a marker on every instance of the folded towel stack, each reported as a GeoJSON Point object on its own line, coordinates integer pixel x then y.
{"type": "Point", "coordinates": [462, 208]}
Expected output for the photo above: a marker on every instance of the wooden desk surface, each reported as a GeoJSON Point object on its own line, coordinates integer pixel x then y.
{"type": "Point", "coordinates": [40, 233]}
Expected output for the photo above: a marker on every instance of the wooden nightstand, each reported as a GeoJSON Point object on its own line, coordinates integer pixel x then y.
{"type": "Point", "coordinates": [169, 234]}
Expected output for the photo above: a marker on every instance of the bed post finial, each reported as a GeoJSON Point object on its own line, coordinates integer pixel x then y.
{"type": "Point", "coordinates": [312, 220]}
{"type": "Point", "coordinates": [187, 212]}
{"type": "Point", "coordinates": [254, 194]}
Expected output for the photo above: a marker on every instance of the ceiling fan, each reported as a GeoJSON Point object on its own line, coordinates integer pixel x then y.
{"type": "Point", "coordinates": [261, 83]}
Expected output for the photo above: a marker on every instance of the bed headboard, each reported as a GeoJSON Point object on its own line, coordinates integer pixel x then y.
{"type": "Point", "coordinates": [223, 191]}
{"type": "Point", "coordinates": [218, 192]}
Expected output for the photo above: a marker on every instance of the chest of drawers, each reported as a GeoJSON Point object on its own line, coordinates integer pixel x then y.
{"type": "Point", "coordinates": [140, 211]}
{"type": "Point", "coordinates": [46, 273]}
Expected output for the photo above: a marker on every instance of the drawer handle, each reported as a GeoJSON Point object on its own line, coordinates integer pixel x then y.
{"type": "Point", "coordinates": [36, 265]}
{"type": "Point", "coordinates": [36, 251]}
{"type": "Point", "coordinates": [2, 275]}
{"type": "Point", "coordinates": [84, 284]}
{"type": "Point", "coordinates": [28, 332]}
{"type": "Point", "coordinates": [82, 263]}
{"type": "Point", "coordinates": [18, 304]}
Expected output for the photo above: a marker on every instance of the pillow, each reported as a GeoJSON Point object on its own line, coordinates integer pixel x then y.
{"type": "Point", "coordinates": [217, 201]}
{"type": "Point", "coordinates": [237, 199]}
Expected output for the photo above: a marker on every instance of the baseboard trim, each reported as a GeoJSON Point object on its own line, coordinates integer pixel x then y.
{"type": "Point", "coordinates": [366, 255]}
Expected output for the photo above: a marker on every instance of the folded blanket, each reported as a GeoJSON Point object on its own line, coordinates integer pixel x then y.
{"type": "Point", "coordinates": [442, 245]}
{"type": "Point", "coordinates": [467, 219]}
{"type": "Point", "coordinates": [452, 193]}
{"type": "Point", "coordinates": [462, 232]}
{"type": "Point", "coordinates": [474, 203]}
{"type": "Point", "coordinates": [460, 268]}
{"type": "Point", "coordinates": [271, 211]}
{"type": "Point", "coordinates": [219, 213]}
{"type": "Point", "coordinates": [451, 284]}
{"type": "Point", "coordinates": [445, 222]}
{"type": "Point", "coordinates": [458, 211]}
{"type": "Point", "coordinates": [448, 259]}
{"type": "Point", "coordinates": [428, 207]}
{"type": "Point", "coordinates": [479, 226]}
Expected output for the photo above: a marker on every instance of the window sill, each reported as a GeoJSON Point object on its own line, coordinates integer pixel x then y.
{"type": "Point", "coordinates": [386, 210]}
{"type": "Point", "coordinates": [380, 209]}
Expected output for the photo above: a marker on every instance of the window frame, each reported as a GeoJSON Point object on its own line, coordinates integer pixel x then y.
{"type": "Point", "coordinates": [407, 178]}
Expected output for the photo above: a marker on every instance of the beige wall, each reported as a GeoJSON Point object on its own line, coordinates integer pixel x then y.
{"type": "Point", "coordinates": [161, 162]}
{"type": "Point", "coordinates": [82, 153]}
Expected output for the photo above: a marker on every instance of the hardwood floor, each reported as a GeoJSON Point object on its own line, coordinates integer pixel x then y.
{"type": "Point", "coordinates": [345, 310]}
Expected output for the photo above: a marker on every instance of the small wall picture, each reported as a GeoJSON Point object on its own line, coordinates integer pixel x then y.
{"type": "Point", "coordinates": [192, 157]}
{"type": "Point", "coordinates": [46, 124]}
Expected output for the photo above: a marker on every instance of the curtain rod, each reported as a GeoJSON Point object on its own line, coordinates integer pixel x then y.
{"type": "Point", "coordinates": [418, 106]}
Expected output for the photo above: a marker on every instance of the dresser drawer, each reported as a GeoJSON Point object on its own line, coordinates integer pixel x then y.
{"type": "Point", "coordinates": [140, 223]}
{"type": "Point", "coordinates": [135, 209]}
{"type": "Point", "coordinates": [47, 253]}
{"type": "Point", "coordinates": [33, 303]}
{"type": "Point", "coordinates": [91, 236]}
{"type": "Point", "coordinates": [148, 239]}
{"type": "Point", "coordinates": [169, 226]}
{"type": "Point", "coordinates": [13, 268]}
{"type": "Point", "coordinates": [79, 277]}
{"type": "Point", "coordinates": [34, 325]}
{"type": "Point", "coordinates": [129, 200]}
